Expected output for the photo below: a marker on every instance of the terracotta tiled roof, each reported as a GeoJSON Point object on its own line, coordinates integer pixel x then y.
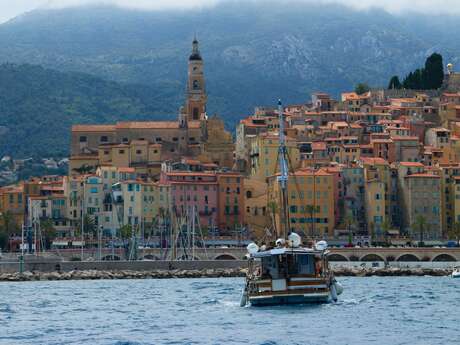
{"type": "Point", "coordinates": [93, 128]}
{"type": "Point", "coordinates": [318, 146]}
{"type": "Point", "coordinates": [422, 175]}
{"type": "Point", "coordinates": [373, 160]}
{"type": "Point", "coordinates": [411, 164]}
{"type": "Point", "coordinates": [126, 170]}
{"type": "Point", "coordinates": [147, 125]}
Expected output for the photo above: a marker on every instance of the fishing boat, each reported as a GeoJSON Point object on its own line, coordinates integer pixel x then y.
{"type": "Point", "coordinates": [286, 271]}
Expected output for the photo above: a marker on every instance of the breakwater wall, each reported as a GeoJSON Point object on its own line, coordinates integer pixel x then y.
{"type": "Point", "coordinates": [67, 266]}
{"type": "Point", "coordinates": [216, 272]}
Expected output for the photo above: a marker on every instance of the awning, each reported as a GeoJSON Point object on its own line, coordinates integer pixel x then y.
{"type": "Point", "coordinates": [60, 243]}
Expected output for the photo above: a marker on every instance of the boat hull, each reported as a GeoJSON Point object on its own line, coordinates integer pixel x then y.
{"type": "Point", "coordinates": [310, 298]}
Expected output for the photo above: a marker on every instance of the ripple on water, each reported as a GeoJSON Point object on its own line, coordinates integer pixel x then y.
{"type": "Point", "coordinates": [191, 311]}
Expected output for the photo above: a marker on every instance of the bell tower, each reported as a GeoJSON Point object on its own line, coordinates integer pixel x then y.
{"type": "Point", "coordinates": [195, 105]}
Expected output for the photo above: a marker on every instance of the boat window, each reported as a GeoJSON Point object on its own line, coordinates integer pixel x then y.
{"type": "Point", "coordinates": [270, 265]}
{"type": "Point", "coordinates": [303, 264]}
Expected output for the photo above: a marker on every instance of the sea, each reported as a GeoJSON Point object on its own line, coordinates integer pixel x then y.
{"type": "Point", "coordinates": [372, 310]}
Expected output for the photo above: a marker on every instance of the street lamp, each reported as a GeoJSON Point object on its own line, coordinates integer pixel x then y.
{"type": "Point", "coordinates": [101, 228]}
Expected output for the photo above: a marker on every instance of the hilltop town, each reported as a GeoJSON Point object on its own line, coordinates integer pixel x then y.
{"type": "Point", "coordinates": [377, 167]}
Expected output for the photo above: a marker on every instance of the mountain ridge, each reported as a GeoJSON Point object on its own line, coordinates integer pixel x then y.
{"type": "Point", "coordinates": [252, 54]}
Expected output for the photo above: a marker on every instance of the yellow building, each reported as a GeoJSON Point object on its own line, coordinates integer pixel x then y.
{"type": "Point", "coordinates": [310, 202]}
{"type": "Point", "coordinates": [12, 202]}
{"type": "Point", "coordinates": [380, 193]}
{"type": "Point", "coordinates": [257, 215]}
{"type": "Point", "coordinates": [264, 155]}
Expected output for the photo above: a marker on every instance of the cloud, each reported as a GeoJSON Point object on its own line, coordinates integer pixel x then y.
{"type": "Point", "coordinates": [11, 8]}
{"type": "Point", "coordinates": [392, 6]}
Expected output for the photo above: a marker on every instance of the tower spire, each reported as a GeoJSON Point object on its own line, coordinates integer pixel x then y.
{"type": "Point", "coordinates": [195, 50]}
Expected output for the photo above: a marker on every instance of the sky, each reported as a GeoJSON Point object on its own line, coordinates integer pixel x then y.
{"type": "Point", "coordinates": [12, 8]}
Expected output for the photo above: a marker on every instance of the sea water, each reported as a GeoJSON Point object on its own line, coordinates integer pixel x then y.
{"type": "Point", "coordinates": [373, 310]}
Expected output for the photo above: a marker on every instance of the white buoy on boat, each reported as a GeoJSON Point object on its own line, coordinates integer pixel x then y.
{"type": "Point", "coordinates": [294, 239]}
{"type": "Point", "coordinates": [456, 273]}
{"type": "Point", "coordinates": [338, 287]}
{"type": "Point", "coordinates": [321, 245]}
{"type": "Point", "coordinates": [252, 248]}
{"type": "Point", "coordinates": [333, 293]}
{"type": "Point", "coordinates": [244, 297]}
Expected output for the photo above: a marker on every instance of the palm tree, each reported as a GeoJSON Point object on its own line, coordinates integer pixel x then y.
{"type": "Point", "coordinates": [89, 226]}
{"type": "Point", "coordinates": [454, 233]}
{"type": "Point", "coordinates": [420, 226]}
{"type": "Point", "coordinates": [349, 222]}
{"type": "Point", "coordinates": [310, 209]}
{"type": "Point", "coordinates": [48, 231]}
{"type": "Point", "coordinates": [385, 229]}
{"type": "Point", "coordinates": [8, 222]}
{"type": "Point", "coordinates": [8, 227]}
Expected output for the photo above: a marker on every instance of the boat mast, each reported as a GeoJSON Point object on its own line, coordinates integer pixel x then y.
{"type": "Point", "coordinates": [283, 177]}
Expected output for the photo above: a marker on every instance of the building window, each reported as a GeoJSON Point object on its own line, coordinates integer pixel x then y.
{"type": "Point", "coordinates": [104, 139]}
{"type": "Point", "coordinates": [83, 139]}
{"type": "Point", "coordinates": [138, 152]}
{"type": "Point", "coordinates": [175, 139]}
{"type": "Point", "coordinates": [125, 140]}
{"type": "Point", "coordinates": [121, 152]}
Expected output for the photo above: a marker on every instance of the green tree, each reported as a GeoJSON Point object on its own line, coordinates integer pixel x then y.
{"type": "Point", "coordinates": [126, 232]}
{"type": "Point", "coordinates": [385, 228]}
{"type": "Point", "coordinates": [433, 73]}
{"type": "Point", "coordinates": [349, 223]}
{"type": "Point", "coordinates": [394, 83]}
{"type": "Point", "coordinates": [362, 88]}
{"type": "Point", "coordinates": [310, 210]}
{"type": "Point", "coordinates": [8, 227]}
{"type": "Point", "coordinates": [454, 233]}
{"type": "Point", "coordinates": [85, 169]}
{"type": "Point", "coordinates": [420, 227]}
{"type": "Point", "coordinates": [8, 223]}
{"type": "Point", "coordinates": [428, 78]}
{"type": "Point", "coordinates": [89, 226]}
{"type": "Point", "coordinates": [48, 232]}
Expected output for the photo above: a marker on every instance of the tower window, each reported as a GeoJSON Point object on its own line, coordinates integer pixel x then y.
{"type": "Point", "coordinates": [196, 85]}
{"type": "Point", "coordinates": [196, 114]}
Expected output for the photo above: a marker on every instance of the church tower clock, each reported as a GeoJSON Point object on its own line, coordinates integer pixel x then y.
{"type": "Point", "coordinates": [195, 106]}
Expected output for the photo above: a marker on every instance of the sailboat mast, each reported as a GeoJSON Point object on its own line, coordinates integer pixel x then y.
{"type": "Point", "coordinates": [283, 177]}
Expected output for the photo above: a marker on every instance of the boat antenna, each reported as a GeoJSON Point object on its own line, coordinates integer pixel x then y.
{"type": "Point", "coordinates": [283, 177]}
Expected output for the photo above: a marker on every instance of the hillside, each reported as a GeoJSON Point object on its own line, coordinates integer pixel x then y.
{"type": "Point", "coordinates": [38, 107]}
{"type": "Point", "coordinates": [253, 55]}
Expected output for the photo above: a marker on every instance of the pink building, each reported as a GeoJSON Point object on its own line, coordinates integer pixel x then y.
{"type": "Point", "coordinates": [197, 190]}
